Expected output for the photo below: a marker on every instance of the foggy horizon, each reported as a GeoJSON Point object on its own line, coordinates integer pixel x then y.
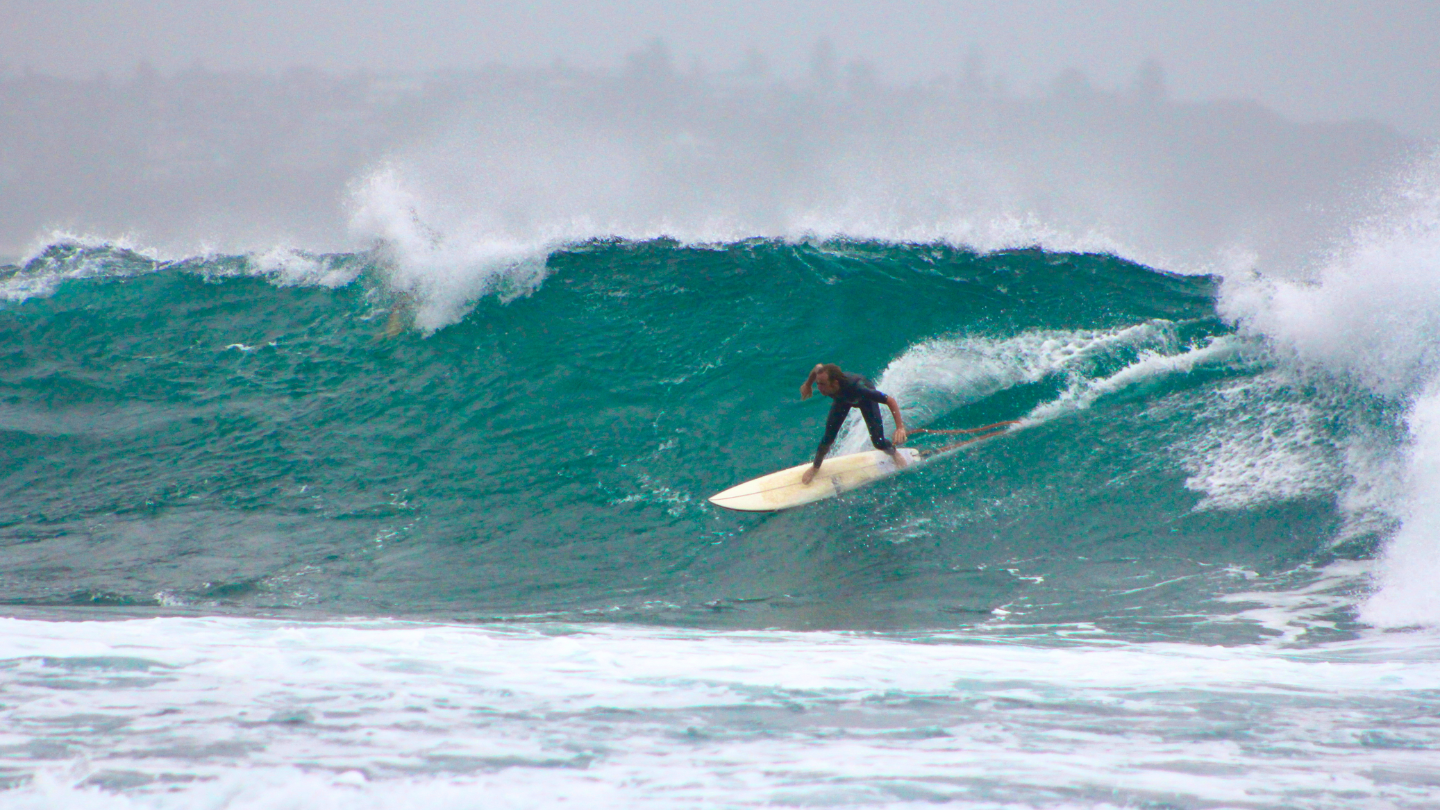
{"type": "Point", "coordinates": [1310, 62]}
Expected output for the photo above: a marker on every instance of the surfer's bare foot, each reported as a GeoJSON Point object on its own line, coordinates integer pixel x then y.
{"type": "Point", "coordinates": [808, 476]}
{"type": "Point", "coordinates": [900, 461]}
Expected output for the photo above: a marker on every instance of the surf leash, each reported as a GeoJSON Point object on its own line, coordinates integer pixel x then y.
{"type": "Point", "coordinates": [987, 431]}
{"type": "Point", "coordinates": [981, 429]}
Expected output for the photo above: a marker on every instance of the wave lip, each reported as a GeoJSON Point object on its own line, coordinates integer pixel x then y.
{"type": "Point", "coordinates": [68, 258]}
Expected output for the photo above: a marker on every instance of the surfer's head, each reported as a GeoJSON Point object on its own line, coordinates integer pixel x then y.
{"type": "Point", "coordinates": [828, 379]}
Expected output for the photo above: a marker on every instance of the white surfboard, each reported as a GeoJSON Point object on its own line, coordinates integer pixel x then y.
{"type": "Point", "coordinates": [783, 490]}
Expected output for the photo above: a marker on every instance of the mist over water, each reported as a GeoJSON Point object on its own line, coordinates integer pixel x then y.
{"type": "Point", "coordinates": [1189, 187]}
{"type": "Point", "coordinates": [503, 159]}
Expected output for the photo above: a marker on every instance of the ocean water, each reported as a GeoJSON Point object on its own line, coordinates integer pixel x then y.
{"type": "Point", "coordinates": [417, 527]}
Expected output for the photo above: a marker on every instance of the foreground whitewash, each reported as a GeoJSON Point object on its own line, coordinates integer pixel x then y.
{"type": "Point", "coordinates": [250, 713]}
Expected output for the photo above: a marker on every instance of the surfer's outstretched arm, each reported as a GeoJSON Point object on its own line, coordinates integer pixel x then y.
{"type": "Point", "coordinates": [809, 474]}
{"type": "Point", "coordinates": [833, 421]}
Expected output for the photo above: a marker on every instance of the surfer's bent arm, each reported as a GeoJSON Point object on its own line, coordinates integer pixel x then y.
{"type": "Point", "coordinates": [901, 434]}
{"type": "Point", "coordinates": [809, 381]}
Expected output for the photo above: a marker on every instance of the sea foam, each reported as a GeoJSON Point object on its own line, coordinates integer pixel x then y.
{"type": "Point", "coordinates": [222, 712]}
{"type": "Point", "coordinates": [1369, 318]}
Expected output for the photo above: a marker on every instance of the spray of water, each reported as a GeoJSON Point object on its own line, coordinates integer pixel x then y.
{"type": "Point", "coordinates": [486, 194]}
{"type": "Point", "coordinates": [1369, 319]}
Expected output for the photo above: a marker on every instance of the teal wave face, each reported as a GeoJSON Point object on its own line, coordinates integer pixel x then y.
{"type": "Point", "coordinates": [191, 434]}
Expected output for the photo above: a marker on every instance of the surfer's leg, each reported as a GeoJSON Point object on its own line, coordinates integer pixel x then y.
{"type": "Point", "coordinates": [876, 426]}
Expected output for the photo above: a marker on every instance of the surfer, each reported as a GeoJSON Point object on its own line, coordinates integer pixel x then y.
{"type": "Point", "coordinates": [852, 391]}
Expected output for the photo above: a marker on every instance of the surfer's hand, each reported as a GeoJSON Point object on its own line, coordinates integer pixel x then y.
{"type": "Point", "coordinates": [808, 476]}
{"type": "Point", "coordinates": [901, 434]}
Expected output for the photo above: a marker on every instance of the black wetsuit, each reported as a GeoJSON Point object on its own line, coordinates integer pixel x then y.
{"type": "Point", "coordinates": [855, 392]}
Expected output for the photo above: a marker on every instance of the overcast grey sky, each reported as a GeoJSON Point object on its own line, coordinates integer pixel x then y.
{"type": "Point", "coordinates": [1316, 60]}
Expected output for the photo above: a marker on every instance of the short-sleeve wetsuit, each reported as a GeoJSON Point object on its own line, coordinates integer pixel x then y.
{"type": "Point", "coordinates": [855, 392]}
